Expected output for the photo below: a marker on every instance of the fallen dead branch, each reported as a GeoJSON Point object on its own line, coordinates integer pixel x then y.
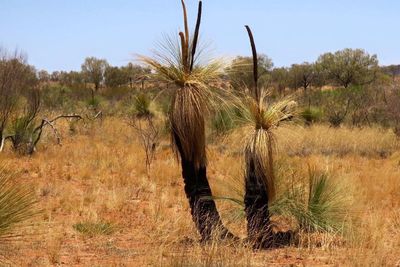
{"type": "Point", "coordinates": [28, 146]}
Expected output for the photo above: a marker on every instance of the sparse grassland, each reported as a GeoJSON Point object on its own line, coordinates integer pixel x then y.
{"type": "Point", "coordinates": [100, 208]}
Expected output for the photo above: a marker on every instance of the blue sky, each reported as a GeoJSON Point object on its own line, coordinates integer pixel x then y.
{"type": "Point", "coordinates": [58, 35]}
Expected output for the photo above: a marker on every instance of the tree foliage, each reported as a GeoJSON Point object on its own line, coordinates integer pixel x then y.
{"type": "Point", "coordinates": [16, 78]}
{"type": "Point", "coordinates": [302, 75]}
{"type": "Point", "coordinates": [280, 79]}
{"type": "Point", "coordinates": [125, 75]}
{"type": "Point", "coordinates": [240, 72]}
{"type": "Point", "coordinates": [93, 70]}
{"type": "Point", "coordinates": [349, 67]}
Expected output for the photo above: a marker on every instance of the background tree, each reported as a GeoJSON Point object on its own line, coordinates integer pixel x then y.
{"type": "Point", "coordinates": [392, 70]}
{"type": "Point", "coordinates": [393, 109]}
{"type": "Point", "coordinates": [135, 73]}
{"type": "Point", "coordinates": [115, 77]}
{"type": "Point", "coordinates": [43, 76]}
{"type": "Point", "coordinates": [71, 78]}
{"type": "Point", "coordinates": [55, 76]}
{"type": "Point", "coordinates": [16, 76]}
{"type": "Point", "coordinates": [125, 75]}
{"type": "Point", "coordinates": [280, 79]}
{"type": "Point", "coordinates": [240, 71]}
{"type": "Point", "coordinates": [349, 67]}
{"type": "Point", "coordinates": [302, 75]}
{"type": "Point", "coordinates": [94, 69]}
{"type": "Point", "coordinates": [337, 105]}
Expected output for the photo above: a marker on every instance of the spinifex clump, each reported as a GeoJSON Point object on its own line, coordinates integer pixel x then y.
{"type": "Point", "coordinates": [259, 149]}
{"type": "Point", "coordinates": [180, 66]}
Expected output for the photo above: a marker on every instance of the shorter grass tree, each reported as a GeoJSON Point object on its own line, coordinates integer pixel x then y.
{"type": "Point", "coordinates": [259, 149]}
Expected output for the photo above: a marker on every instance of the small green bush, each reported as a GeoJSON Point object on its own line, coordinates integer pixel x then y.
{"type": "Point", "coordinates": [22, 129]}
{"type": "Point", "coordinates": [318, 203]}
{"type": "Point", "coordinates": [94, 102]}
{"type": "Point", "coordinates": [55, 96]}
{"type": "Point", "coordinates": [225, 120]}
{"type": "Point", "coordinates": [93, 229]}
{"type": "Point", "coordinates": [312, 115]}
{"type": "Point", "coordinates": [116, 93]}
{"type": "Point", "coordinates": [141, 105]}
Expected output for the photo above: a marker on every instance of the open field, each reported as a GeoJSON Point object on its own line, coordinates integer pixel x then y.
{"type": "Point", "coordinates": [100, 208]}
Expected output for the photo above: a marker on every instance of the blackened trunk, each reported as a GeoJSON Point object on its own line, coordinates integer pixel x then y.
{"type": "Point", "coordinates": [256, 207]}
{"type": "Point", "coordinates": [203, 209]}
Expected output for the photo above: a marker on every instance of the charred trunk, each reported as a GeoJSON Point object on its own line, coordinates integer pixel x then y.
{"type": "Point", "coordinates": [259, 229]}
{"type": "Point", "coordinates": [203, 209]}
{"type": "Point", "coordinates": [257, 213]}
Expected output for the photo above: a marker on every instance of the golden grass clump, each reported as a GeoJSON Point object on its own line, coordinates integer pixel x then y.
{"type": "Point", "coordinates": [373, 142]}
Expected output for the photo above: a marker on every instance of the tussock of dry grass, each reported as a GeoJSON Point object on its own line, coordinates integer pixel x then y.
{"type": "Point", "coordinates": [99, 175]}
{"type": "Point", "coordinates": [323, 140]}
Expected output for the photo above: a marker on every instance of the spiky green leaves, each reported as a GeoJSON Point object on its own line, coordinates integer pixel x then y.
{"type": "Point", "coordinates": [268, 116]}
{"type": "Point", "coordinates": [16, 203]}
{"type": "Point", "coordinates": [319, 203]}
{"type": "Point", "coordinates": [141, 106]}
{"type": "Point", "coordinates": [326, 203]}
{"type": "Point", "coordinates": [167, 67]}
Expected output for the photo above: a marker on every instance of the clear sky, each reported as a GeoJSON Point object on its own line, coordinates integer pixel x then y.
{"type": "Point", "coordinates": [58, 35]}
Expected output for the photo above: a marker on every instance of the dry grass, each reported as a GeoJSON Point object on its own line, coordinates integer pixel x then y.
{"type": "Point", "coordinates": [327, 141]}
{"type": "Point", "coordinates": [99, 175]}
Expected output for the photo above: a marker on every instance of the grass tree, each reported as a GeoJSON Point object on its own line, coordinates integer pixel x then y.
{"type": "Point", "coordinates": [179, 64]}
{"type": "Point", "coordinates": [258, 152]}
{"type": "Point", "coordinates": [17, 204]}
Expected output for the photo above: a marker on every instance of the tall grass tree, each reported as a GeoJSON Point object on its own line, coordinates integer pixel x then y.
{"type": "Point", "coordinates": [179, 64]}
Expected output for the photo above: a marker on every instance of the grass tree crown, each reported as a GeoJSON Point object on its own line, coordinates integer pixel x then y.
{"type": "Point", "coordinates": [179, 61]}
